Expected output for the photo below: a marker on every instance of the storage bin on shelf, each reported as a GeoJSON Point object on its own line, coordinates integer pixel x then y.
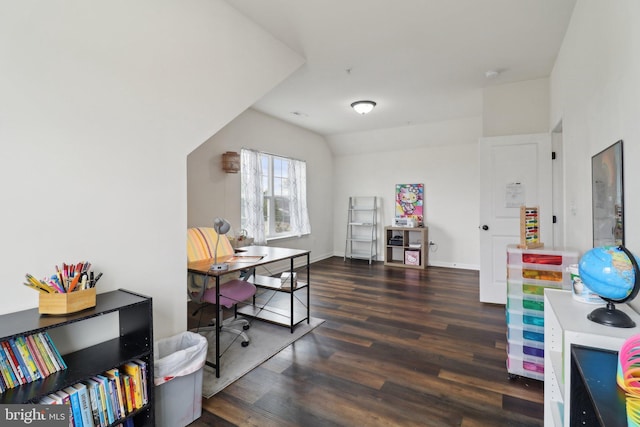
{"type": "Point", "coordinates": [531, 333]}
{"type": "Point", "coordinates": [529, 273]}
{"type": "Point", "coordinates": [530, 367]}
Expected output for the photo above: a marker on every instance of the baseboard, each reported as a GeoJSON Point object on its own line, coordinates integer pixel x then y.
{"type": "Point", "coordinates": [454, 265]}
{"type": "Point", "coordinates": [432, 263]}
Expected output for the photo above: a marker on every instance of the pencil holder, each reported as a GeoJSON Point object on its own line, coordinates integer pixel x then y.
{"type": "Point", "coordinates": [59, 303]}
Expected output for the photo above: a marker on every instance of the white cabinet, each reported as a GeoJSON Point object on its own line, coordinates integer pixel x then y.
{"type": "Point", "coordinates": [565, 325]}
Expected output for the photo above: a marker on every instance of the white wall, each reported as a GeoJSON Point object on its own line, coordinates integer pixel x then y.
{"type": "Point", "coordinates": [443, 156]}
{"type": "Point", "coordinates": [212, 192]}
{"type": "Point", "coordinates": [595, 93]}
{"type": "Point", "coordinates": [100, 103]}
{"type": "Point", "coordinates": [516, 108]}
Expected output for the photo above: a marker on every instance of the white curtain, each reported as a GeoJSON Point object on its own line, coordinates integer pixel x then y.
{"type": "Point", "coordinates": [252, 202]}
{"type": "Point", "coordinates": [298, 198]}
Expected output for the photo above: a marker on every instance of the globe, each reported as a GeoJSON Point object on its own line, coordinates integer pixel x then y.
{"type": "Point", "coordinates": [610, 272]}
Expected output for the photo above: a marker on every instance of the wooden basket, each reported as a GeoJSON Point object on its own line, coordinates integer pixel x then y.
{"type": "Point", "coordinates": [72, 302]}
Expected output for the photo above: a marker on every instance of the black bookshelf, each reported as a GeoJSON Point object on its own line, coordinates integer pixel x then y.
{"type": "Point", "coordinates": [135, 341]}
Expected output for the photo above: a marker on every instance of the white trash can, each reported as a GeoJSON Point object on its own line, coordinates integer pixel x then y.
{"type": "Point", "coordinates": [178, 368]}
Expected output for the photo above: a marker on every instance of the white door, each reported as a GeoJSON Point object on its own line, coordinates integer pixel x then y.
{"type": "Point", "coordinates": [514, 171]}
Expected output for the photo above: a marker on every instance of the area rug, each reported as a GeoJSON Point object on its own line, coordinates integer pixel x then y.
{"type": "Point", "coordinates": [266, 341]}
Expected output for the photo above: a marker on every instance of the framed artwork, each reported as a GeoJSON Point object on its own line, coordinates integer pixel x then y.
{"type": "Point", "coordinates": [608, 196]}
{"type": "Point", "coordinates": [409, 202]}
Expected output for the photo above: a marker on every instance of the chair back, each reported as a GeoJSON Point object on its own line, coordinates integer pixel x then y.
{"type": "Point", "coordinates": [201, 244]}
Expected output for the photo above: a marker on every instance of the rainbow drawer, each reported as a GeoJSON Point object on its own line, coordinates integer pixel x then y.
{"type": "Point", "coordinates": [529, 290]}
{"type": "Point", "coordinates": [531, 367]}
{"type": "Point", "coordinates": [541, 275]}
{"type": "Point", "coordinates": [526, 305]}
{"type": "Point", "coordinates": [517, 317]}
{"type": "Point", "coordinates": [539, 258]}
{"type": "Point", "coordinates": [520, 334]}
{"type": "Point", "coordinates": [518, 256]}
{"type": "Point", "coordinates": [526, 348]}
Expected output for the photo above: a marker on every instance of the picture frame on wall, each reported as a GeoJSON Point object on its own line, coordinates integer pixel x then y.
{"type": "Point", "coordinates": [608, 196]}
{"type": "Point", "coordinates": [409, 201]}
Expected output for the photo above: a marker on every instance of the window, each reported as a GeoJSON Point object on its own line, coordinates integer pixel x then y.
{"type": "Point", "coordinates": [274, 202]}
{"type": "Point", "coordinates": [275, 190]}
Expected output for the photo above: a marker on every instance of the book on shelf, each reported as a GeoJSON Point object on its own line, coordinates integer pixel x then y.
{"type": "Point", "coordinates": [37, 357]}
{"type": "Point", "coordinates": [107, 396]}
{"type": "Point", "coordinates": [5, 369]}
{"type": "Point", "coordinates": [85, 405]}
{"type": "Point", "coordinates": [143, 373]}
{"type": "Point", "coordinates": [29, 360]}
{"type": "Point", "coordinates": [75, 406]}
{"type": "Point", "coordinates": [54, 350]}
{"type": "Point", "coordinates": [64, 399]}
{"type": "Point", "coordinates": [96, 404]}
{"type": "Point", "coordinates": [133, 370]}
{"type": "Point", "coordinates": [128, 397]}
{"type": "Point", "coordinates": [44, 354]}
{"type": "Point", "coordinates": [22, 365]}
{"type": "Point", "coordinates": [114, 377]}
{"type": "Point", "coordinates": [13, 362]}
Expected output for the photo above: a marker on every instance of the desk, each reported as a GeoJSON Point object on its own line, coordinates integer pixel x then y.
{"type": "Point", "coordinates": [256, 256]}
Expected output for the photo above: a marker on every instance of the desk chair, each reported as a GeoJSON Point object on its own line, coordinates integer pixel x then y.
{"type": "Point", "coordinates": [201, 244]}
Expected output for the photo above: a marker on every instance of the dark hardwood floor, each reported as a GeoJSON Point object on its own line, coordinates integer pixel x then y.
{"type": "Point", "coordinates": [399, 347]}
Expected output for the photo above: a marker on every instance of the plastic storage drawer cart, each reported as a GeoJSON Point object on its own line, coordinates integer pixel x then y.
{"type": "Point", "coordinates": [529, 272]}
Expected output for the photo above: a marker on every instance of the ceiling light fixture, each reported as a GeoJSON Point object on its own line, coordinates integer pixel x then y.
{"type": "Point", "coordinates": [492, 74]}
{"type": "Point", "coordinates": [363, 107]}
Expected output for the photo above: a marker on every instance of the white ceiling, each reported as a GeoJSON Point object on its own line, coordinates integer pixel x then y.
{"type": "Point", "coordinates": [422, 61]}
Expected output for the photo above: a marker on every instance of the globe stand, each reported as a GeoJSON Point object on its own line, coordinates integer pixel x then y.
{"type": "Point", "coordinates": [611, 316]}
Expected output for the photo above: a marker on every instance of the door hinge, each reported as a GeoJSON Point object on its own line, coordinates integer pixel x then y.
{"type": "Point", "coordinates": [554, 219]}
{"type": "Point", "coordinates": [553, 155]}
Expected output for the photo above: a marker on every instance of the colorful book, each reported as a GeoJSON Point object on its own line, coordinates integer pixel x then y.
{"type": "Point", "coordinates": [15, 367]}
{"type": "Point", "coordinates": [133, 370]}
{"type": "Point", "coordinates": [85, 405]}
{"type": "Point", "coordinates": [64, 399]}
{"type": "Point", "coordinates": [108, 396]}
{"type": "Point", "coordinates": [49, 351]}
{"type": "Point", "coordinates": [43, 353]}
{"type": "Point", "coordinates": [143, 374]}
{"type": "Point", "coordinates": [21, 343]}
{"type": "Point", "coordinates": [113, 394]}
{"type": "Point", "coordinates": [20, 361]}
{"type": "Point", "coordinates": [55, 351]}
{"type": "Point", "coordinates": [75, 406]}
{"type": "Point", "coordinates": [99, 415]}
{"type": "Point", "coordinates": [126, 386]}
{"type": "Point", "coordinates": [5, 370]}
{"type": "Point", "coordinates": [114, 374]}
{"type": "Point", "coordinates": [35, 353]}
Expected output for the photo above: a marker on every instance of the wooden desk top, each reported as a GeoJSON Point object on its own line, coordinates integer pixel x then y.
{"type": "Point", "coordinates": [245, 257]}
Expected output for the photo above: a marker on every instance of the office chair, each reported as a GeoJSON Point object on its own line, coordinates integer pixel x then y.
{"type": "Point", "coordinates": [201, 289]}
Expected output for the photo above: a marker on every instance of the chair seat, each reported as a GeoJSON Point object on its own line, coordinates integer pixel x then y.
{"type": "Point", "coordinates": [231, 292]}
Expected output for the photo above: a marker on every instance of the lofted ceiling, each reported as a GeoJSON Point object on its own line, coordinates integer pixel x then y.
{"type": "Point", "coordinates": [421, 61]}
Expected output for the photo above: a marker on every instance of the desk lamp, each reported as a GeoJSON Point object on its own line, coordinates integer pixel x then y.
{"type": "Point", "coordinates": [221, 226]}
